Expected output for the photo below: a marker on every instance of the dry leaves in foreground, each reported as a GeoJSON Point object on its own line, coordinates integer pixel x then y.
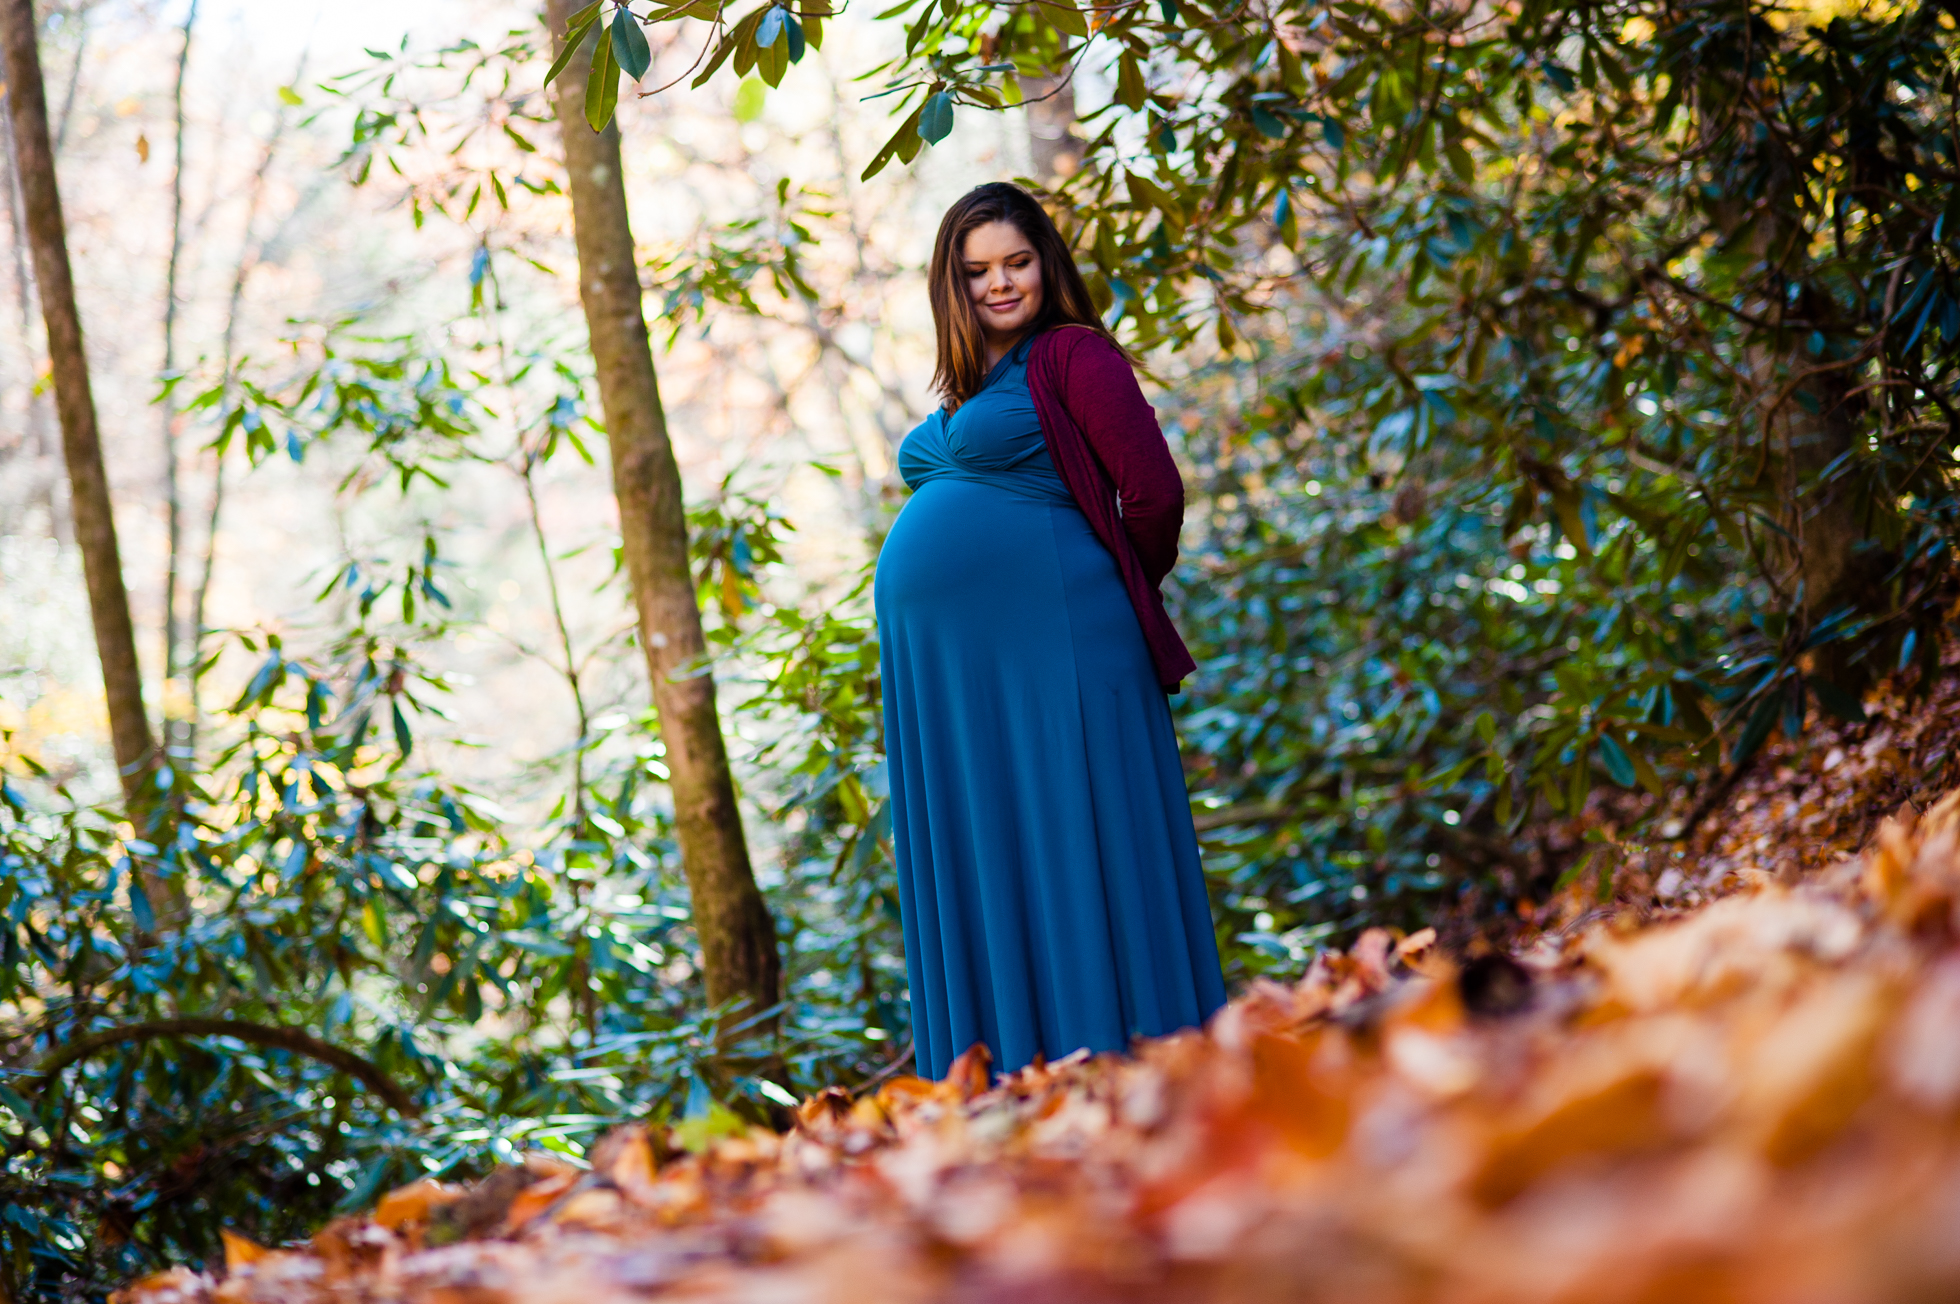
{"type": "Point", "coordinates": [1756, 1101]}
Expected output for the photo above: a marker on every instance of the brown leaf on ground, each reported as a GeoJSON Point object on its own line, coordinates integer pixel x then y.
{"type": "Point", "coordinates": [1740, 1083]}
{"type": "Point", "coordinates": [413, 1203]}
{"type": "Point", "coordinates": [240, 1251]}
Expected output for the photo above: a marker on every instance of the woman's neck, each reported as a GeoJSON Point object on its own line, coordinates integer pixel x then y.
{"type": "Point", "coordinates": [1000, 347]}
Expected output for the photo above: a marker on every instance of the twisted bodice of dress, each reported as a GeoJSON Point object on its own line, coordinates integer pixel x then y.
{"type": "Point", "coordinates": [994, 438]}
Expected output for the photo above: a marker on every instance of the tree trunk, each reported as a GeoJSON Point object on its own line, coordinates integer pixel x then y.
{"type": "Point", "coordinates": [1827, 523]}
{"type": "Point", "coordinates": [1828, 551]}
{"type": "Point", "coordinates": [95, 522]}
{"type": "Point", "coordinates": [38, 446]}
{"type": "Point", "coordinates": [739, 957]}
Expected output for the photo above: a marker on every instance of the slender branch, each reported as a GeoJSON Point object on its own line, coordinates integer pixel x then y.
{"type": "Point", "coordinates": [570, 670]}
{"type": "Point", "coordinates": [249, 254]}
{"type": "Point", "coordinates": [174, 728]}
{"type": "Point", "coordinates": [903, 1058]}
{"type": "Point", "coordinates": [526, 470]}
{"type": "Point", "coordinates": [74, 81]}
{"type": "Point", "coordinates": [259, 1034]}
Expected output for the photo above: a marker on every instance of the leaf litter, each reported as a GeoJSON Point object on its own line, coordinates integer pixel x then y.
{"type": "Point", "coordinates": [1740, 1082]}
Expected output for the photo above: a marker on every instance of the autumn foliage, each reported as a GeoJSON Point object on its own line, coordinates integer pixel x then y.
{"type": "Point", "coordinates": [1749, 1097]}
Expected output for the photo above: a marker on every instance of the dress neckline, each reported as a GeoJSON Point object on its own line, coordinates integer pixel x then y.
{"type": "Point", "coordinates": [1016, 356]}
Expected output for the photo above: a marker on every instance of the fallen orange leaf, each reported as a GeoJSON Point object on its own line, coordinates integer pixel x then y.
{"type": "Point", "coordinates": [412, 1203]}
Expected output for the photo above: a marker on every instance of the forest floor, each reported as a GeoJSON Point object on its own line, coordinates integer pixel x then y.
{"type": "Point", "coordinates": [1735, 1078]}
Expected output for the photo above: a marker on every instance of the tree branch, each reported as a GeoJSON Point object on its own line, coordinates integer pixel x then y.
{"type": "Point", "coordinates": [259, 1034]}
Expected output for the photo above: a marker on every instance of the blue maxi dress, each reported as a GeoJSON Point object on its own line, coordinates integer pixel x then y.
{"type": "Point", "coordinates": [1048, 871]}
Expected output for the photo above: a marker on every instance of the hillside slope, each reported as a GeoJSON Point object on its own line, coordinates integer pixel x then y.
{"type": "Point", "coordinates": [1738, 1081]}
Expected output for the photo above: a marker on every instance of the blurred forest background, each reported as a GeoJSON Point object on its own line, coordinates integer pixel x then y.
{"type": "Point", "coordinates": [1566, 396]}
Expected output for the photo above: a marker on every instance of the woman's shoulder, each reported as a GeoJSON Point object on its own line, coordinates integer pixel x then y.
{"type": "Point", "coordinates": [1074, 337]}
{"type": "Point", "coordinates": [1073, 347]}
{"type": "Point", "coordinates": [1083, 355]}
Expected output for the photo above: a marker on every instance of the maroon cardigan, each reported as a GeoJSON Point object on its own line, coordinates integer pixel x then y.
{"type": "Point", "coordinates": [1106, 446]}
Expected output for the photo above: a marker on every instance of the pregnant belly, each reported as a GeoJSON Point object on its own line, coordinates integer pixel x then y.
{"type": "Point", "coordinates": [1007, 578]}
{"type": "Point", "coordinates": [966, 549]}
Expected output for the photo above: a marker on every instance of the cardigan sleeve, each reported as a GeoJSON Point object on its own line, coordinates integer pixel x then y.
{"type": "Point", "coordinates": [1100, 392]}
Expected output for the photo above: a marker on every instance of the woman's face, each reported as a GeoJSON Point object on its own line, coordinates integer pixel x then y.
{"type": "Point", "coordinates": [1003, 279]}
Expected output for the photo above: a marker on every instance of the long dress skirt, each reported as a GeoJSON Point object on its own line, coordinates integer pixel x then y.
{"type": "Point", "coordinates": [1048, 871]}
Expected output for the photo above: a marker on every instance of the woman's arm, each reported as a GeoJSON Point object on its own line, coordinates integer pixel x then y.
{"type": "Point", "coordinates": [1099, 390]}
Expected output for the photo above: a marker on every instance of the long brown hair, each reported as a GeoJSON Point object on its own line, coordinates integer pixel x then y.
{"type": "Point", "coordinates": [962, 344]}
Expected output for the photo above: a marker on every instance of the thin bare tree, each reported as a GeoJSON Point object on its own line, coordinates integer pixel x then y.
{"type": "Point", "coordinates": [251, 250]}
{"type": "Point", "coordinates": [176, 728]}
{"type": "Point", "coordinates": [36, 446]}
{"type": "Point", "coordinates": [93, 514]}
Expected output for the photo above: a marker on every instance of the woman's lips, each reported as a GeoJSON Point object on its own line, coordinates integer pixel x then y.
{"type": "Point", "coordinates": [1009, 306]}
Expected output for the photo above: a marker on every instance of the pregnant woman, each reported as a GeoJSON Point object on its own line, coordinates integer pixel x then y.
{"type": "Point", "coordinates": [1048, 869]}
